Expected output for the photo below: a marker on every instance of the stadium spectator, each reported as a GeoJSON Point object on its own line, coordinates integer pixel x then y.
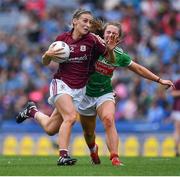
{"type": "Point", "coordinates": [155, 113]}
{"type": "Point", "coordinates": [68, 85]}
{"type": "Point", "coordinates": [151, 30]}
{"type": "Point", "coordinates": [176, 116]}
{"type": "Point", "coordinates": [99, 98]}
{"type": "Point", "coordinates": [37, 6]}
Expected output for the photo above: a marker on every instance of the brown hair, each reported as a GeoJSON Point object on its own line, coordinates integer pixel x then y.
{"type": "Point", "coordinates": [98, 27]}
{"type": "Point", "coordinates": [79, 12]}
{"type": "Point", "coordinates": [118, 25]}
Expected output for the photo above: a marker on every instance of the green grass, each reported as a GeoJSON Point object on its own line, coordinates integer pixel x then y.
{"type": "Point", "coordinates": [46, 166]}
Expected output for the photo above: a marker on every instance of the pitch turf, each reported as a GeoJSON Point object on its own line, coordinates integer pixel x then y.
{"type": "Point", "coordinates": [46, 166]}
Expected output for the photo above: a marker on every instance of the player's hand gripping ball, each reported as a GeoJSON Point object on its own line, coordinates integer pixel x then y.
{"type": "Point", "coordinates": [62, 51]}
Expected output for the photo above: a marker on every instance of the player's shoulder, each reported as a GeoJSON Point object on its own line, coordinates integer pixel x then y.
{"type": "Point", "coordinates": [177, 83]}
{"type": "Point", "coordinates": [62, 36]}
{"type": "Point", "coordinates": [96, 38]}
{"type": "Point", "coordinates": [118, 50]}
{"type": "Point", "coordinates": [92, 36]}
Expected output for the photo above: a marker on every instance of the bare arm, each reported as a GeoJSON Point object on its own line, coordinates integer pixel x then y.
{"type": "Point", "coordinates": [144, 72]}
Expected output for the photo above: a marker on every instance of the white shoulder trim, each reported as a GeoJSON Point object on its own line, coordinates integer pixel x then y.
{"type": "Point", "coordinates": [119, 50]}
{"type": "Point", "coordinates": [130, 63]}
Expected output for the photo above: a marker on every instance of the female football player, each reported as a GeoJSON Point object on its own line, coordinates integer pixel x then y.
{"type": "Point", "coordinates": [99, 98]}
{"type": "Point", "coordinates": [68, 85]}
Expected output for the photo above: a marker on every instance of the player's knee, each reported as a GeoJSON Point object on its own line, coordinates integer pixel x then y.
{"type": "Point", "coordinates": [108, 121]}
{"type": "Point", "coordinates": [70, 118]}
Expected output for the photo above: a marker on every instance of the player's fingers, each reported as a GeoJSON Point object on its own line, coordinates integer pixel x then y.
{"type": "Point", "coordinates": [108, 41]}
{"type": "Point", "coordinates": [53, 45]}
{"type": "Point", "coordinates": [50, 52]}
{"type": "Point", "coordinates": [115, 37]}
{"type": "Point", "coordinates": [58, 59]}
{"type": "Point", "coordinates": [58, 50]}
{"type": "Point", "coordinates": [170, 85]}
{"type": "Point", "coordinates": [173, 86]}
{"type": "Point", "coordinates": [112, 37]}
{"type": "Point", "coordinates": [114, 40]}
{"type": "Point", "coordinates": [59, 55]}
{"type": "Point", "coordinates": [118, 41]}
{"type": "Point", "coordinates": [167, 87]}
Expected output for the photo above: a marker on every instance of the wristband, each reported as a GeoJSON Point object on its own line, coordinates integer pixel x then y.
{"type": "Point", "coordinates": [158, 79]}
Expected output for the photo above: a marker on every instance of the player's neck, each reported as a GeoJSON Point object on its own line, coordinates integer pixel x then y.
{"type": "Point", "coordinates": [76, 35]}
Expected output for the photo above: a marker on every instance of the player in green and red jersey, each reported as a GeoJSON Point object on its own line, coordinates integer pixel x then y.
{"type": "Point", "coordinates": [99, 98]}
{"type": "Point", "coordinates": [100, 81]}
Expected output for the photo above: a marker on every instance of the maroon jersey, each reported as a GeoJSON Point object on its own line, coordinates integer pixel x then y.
{"type": "Point", "coordinates": [83, 55]}
{"type": "Point", "coordinates": [176, 105]}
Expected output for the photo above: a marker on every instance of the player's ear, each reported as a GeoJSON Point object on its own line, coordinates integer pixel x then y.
{"type": "Point", "coordinates": [74, 21]}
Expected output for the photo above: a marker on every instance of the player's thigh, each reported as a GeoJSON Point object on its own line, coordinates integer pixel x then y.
{"type": "Point", "coordinates": [107, 108]}
{"type": "Point", "coordinates": [55, 122]}
{"type": "Point", "coordinates": [177, 126]}
{"type": "Point", "coordinates": [65, 106]}
{"type": "Point", "coordinates": [88, 123]}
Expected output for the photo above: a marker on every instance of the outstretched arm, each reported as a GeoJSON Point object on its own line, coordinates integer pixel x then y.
{"type": "Point", "coordinates": [144, 72]}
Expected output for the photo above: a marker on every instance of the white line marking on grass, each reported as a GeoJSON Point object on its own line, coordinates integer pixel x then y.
{"type": "Point", "coordinates": [160, 159]}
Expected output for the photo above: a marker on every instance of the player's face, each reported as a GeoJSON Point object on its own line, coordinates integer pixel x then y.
{"type": "Point", "coordinates": [110, 31]}
{"type": "Point", "coordinates": [83, 23]}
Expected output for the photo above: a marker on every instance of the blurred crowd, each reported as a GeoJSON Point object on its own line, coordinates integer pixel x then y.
{"type": "Point", "coordinates": [151, 36]}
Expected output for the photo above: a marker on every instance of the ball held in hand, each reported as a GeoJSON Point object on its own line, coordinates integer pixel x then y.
{"type": "Point", "coordinates": [65, 51]}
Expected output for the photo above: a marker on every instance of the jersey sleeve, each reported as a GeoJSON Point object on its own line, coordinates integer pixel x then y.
{"type": "Point", "coordinates": [177, 84]}
{"type": "Point", "coordinates": [60, 37]}
{"type": "Point", "coordinates": [122, 59]}
{"type": "Point", "coordinates": [100, 46]}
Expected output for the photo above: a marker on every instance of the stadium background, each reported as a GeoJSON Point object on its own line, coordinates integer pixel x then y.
{"type": "Point", "coordinates": [150, 34]}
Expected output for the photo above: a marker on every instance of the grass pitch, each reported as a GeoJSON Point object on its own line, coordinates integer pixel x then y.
{"type": "Point", "coordinates": [46, 166]}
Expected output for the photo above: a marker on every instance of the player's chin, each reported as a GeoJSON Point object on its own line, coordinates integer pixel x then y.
{"type": "Point", "coordinates": [85, 31]}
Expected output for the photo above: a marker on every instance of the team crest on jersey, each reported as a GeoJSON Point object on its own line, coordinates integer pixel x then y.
{"type": "Point", "coordinates": [82, 48]}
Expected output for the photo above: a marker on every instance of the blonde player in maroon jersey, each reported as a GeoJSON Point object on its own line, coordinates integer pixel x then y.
{"type": "Point", "coordinates": [68, 85]}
